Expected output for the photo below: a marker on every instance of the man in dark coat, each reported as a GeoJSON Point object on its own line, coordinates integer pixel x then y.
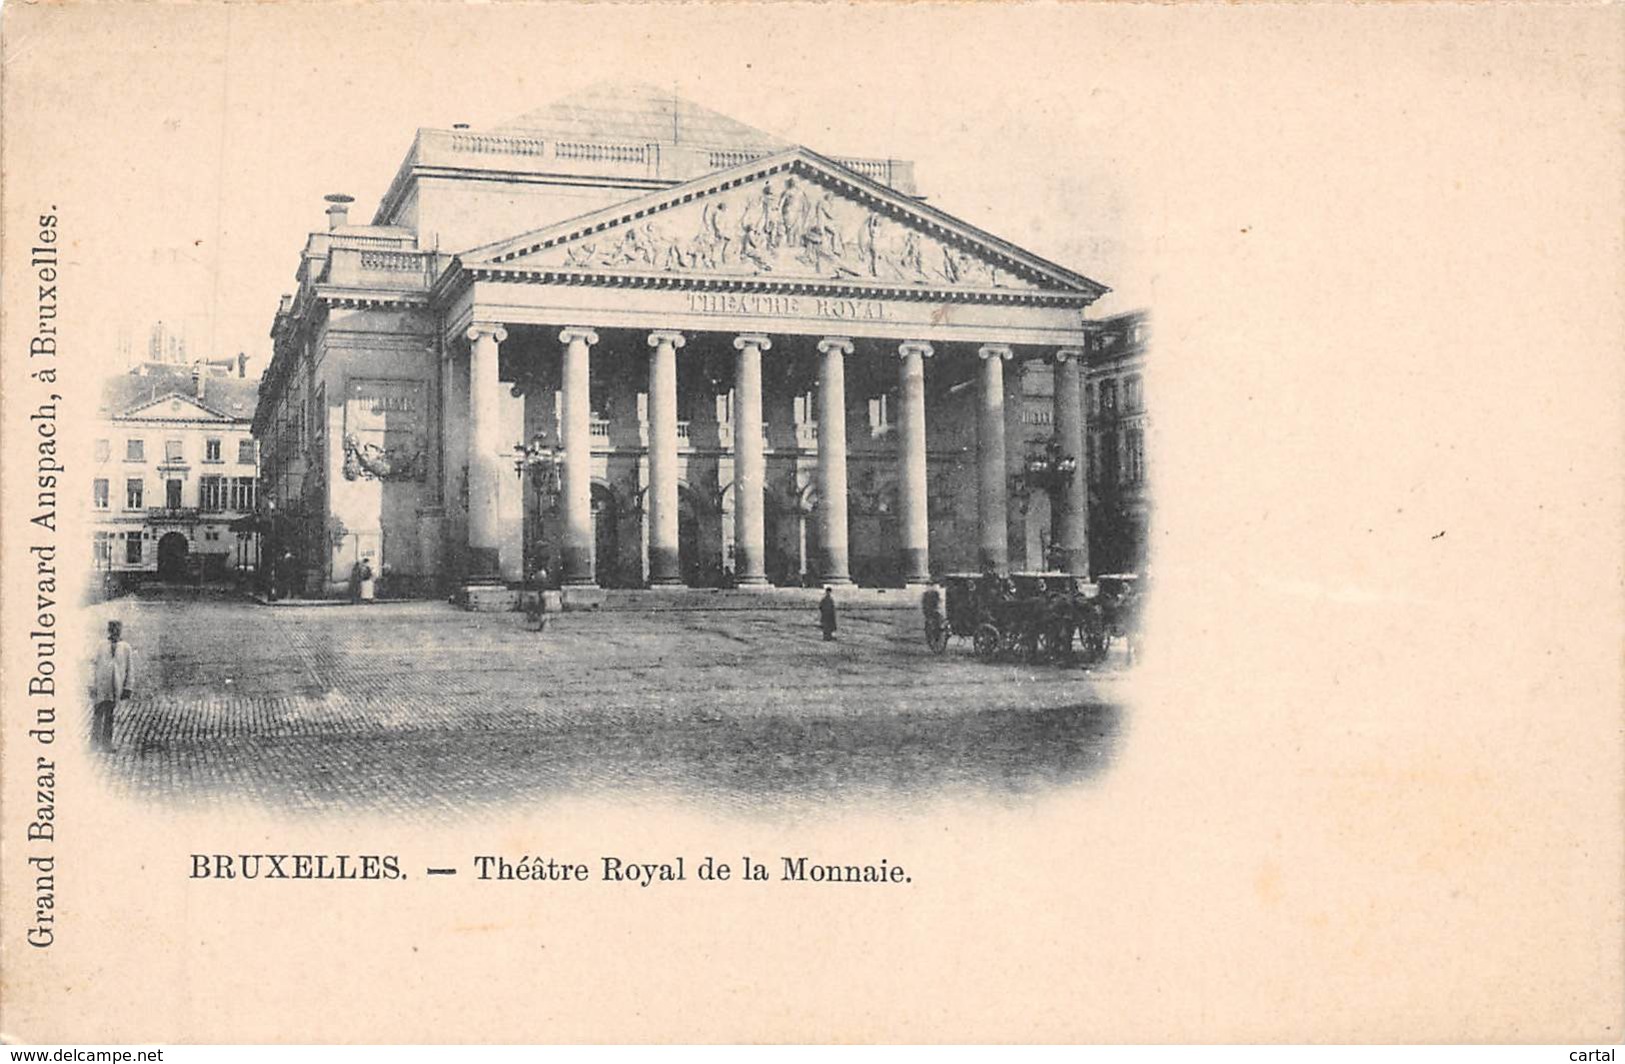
{"type": "Point", "coordinates": [826, 614]}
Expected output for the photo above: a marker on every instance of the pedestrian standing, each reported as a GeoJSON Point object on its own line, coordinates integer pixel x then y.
{"type": "Point", "coordinates": [826, 614]}
{"type": "Point", "coordinates": [112, 674]}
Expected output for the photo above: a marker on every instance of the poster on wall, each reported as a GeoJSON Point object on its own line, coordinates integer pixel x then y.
{"type": "Point", "coordinates": [385, 430]}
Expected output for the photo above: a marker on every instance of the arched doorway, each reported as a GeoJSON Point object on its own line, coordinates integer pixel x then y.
{"type": "Point", "coordinates": [605, 537]}
{"type": "Point", "coordinates": [172, 552]}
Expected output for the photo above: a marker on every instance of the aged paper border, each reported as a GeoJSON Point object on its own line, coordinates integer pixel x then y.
{"type": "Point", "coordinates": [1373, 783]}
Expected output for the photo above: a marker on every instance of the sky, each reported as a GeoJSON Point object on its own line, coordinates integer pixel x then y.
{"type": "Point", "coordinates": [204, 139]}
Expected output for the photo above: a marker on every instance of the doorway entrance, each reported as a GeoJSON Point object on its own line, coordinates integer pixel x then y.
{"type": "Point", "coordinates": [172, 554]}
{"type": "Point", "coordinates": [605, 537]}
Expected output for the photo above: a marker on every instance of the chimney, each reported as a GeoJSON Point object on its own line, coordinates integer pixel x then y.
{"type": "Point", "coordinates": [242, 365]}
{"type": "Point", "coordinates": [198, 377]}
{"type": "Point", "coordinates": [338, 210]}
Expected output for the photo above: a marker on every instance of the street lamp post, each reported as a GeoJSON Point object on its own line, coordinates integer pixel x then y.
{"type": "Point", "coordinates": [541, 460]}
{"type": "Point", "coordinates": [1050, 471]}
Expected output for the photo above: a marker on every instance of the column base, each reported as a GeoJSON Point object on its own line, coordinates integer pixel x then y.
{"type": "Point", "coordinates": [751, 581]}
{"type": "Point", "coordinates": [576, 563]}
{"type": "Point", "coordinates": [915, 564]}
{"type": "Point", "coordinates": [484, 566]}
{"type": "Point", "coordinates": [837, 581]}
{"type": "Point", "coordinates": [665, 568]}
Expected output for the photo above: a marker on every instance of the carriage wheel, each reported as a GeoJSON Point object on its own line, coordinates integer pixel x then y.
{"type": "Point", "coordinates": [936, 637]}
{"type": "Point", "coordinates": [986, 641]}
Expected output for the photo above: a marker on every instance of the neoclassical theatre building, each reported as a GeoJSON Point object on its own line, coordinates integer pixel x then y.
{"type": "Point", "coordinates": [627, 341]}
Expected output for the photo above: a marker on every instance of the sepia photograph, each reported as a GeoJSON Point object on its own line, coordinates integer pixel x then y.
{"type": "Point", "coordinates": [636, 447]}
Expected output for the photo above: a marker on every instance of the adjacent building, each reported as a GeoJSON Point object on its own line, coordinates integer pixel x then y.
{"type": "Point", "coordinates": [175, 473]}
{"type": "Point", "coordinates": [627, 341]}
{"type": "Point", "coordinates": [1119, 506]}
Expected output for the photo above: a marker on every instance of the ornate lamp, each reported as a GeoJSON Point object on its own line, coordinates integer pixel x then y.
{"type": "Point", "coordinates": [541, 460]}
{"type": "Point", "coordinates": [1047, 469]}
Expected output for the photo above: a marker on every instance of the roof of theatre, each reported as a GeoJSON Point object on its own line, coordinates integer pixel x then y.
{"type": "Point", "coordinates": [640, 114]}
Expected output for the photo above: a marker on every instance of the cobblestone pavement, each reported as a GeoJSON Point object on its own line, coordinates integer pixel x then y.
{"type": "Point", "coordinates": [421, 708]}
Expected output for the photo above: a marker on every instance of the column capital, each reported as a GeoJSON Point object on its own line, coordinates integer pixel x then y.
{"type": "Point", "coordinates": [996, 351]}
{"type": "Point", "coordinates": [756, 340]}
{"type": "Point", "coordinates": [485, 328]}
{"type": "Point", "coordinates": [660, 336]}
{"type": "Point", "coordinates": [835, 343]}
{"type": "Point", "coordinates": [572, 333]}
{"type": "Point", "coordinates": [1063, 354]}
{"type": "Point", "coordinates": [915, 347]}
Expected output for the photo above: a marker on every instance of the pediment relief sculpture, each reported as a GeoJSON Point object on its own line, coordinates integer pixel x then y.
{"type": "Point", "coordinates": [780, 226]}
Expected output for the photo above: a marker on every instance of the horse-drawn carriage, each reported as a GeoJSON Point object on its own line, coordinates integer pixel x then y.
{"type": "Point", "coordinates": [1031, 616]}
{"type": "Point", "coordinates": [1034, 616]}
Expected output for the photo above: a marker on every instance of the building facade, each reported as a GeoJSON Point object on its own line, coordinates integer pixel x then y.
{"type": "Point", "coordinates": [626, 341]}
{"type": "Point", "coordinates": [1119, 500]}
{"type": "Point", "coordinates": [176, 473]}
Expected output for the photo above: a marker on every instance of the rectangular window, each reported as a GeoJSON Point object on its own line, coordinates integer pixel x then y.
{"type": "Point", "coordinates": [172, 494]}
{"type": "Point", "coordinates": [212, 535]}
{"type": "Point", "coordinates": [104, 450]}
{"type": "Point", "coordinates": [1108, 396]}
{"type": "Point", "coordinates": [805, 408]}
{"type": "Point", "coordinates": [132, 548]}
{"type": "Point", "coordinates": [242, 493]}
{"type": "Point", "coordinates": [132, 495]}
{"type": "Point", "coordinates": [104, 549]}
{"type": "Point", "coordinates": [211, 451]}
{"type": "Point", "coordinates": [1131, 393]}
{"type": "Point", "coordinates": [879, 415]}
{"type": "Point", "coordinates": [135, 450]}
{"type": "Point", "coordinates": [173, 451]}
{"type": "Point", "coordinates": [101, 493]}
{"type": "Point", "coordinates": [245, 452]}
{"type": "Point", "coordinates": [211, 493]}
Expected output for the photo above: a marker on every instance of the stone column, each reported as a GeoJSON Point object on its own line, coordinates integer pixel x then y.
{"type": "Point", "coordinates": [914, 526]}
{"type": "Point", "coordinates": [576, 479]}
{"type": "Point", "coordinates": [484, 466]}
{"type": "Point", "coordinates": [750, 465]}
{"type": "Point", "coordinates": [832, 457]}
{"type": "Point", "coordinates": [995, 548]}
{"type": "Point", "coordinates": [1070, 433]}
{"type": "Point", "coordinates": [663, 563]}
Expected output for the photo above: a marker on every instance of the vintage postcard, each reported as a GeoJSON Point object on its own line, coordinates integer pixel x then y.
{"type": "Point", "coordinates": [812, 523]}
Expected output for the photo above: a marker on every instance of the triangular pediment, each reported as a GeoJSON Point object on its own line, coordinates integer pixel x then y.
{"type": "Point", "coordinates": [175, 407]}
{"type": "Point", "coordinates": [792, 217]}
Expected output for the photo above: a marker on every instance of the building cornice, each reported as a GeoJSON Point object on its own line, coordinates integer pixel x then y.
{"type": "Point", "coordinates": [459, 275]}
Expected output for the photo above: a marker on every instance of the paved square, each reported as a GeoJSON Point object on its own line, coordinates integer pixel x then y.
{"type": "Point", "coordinates": [424, 709]}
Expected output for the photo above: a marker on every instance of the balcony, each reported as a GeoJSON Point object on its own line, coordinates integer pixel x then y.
{"type": "Point", "coordinates": [172, 514]}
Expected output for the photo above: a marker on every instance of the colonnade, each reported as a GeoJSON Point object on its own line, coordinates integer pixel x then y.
{"type": "Point", "coordinates": [749, 483]}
